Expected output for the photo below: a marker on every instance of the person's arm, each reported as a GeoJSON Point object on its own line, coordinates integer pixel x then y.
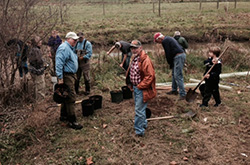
{"type": "Point", "coordinates": [60, 60]}
{"type": "Point", "coordinates": [111, 49]}
{"type": "Point", "coordinates": [185, 43]}
{"type": "Point", "coordinates": [149, 75]}
{"type": "Point", "coordinates": [124, 59]}
{"type": "Point", "coordinates": [88, 50]}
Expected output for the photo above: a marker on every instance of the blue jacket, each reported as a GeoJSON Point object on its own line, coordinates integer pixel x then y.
{"type": "Point", "coordinates": [88, 48]}
{"type": "Point", "coordinates": [66, 60]}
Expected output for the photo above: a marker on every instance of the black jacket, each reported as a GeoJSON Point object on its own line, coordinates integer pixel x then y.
{"type": "Point", "coordinates": [215, 72]}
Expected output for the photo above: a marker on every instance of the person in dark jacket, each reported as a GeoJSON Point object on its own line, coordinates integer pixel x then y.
{"type": "Point", "coordinates": [124, 47]}
{"type": "Point", "coordinates": [212, 79]}
{"type": "Point", "coordinates": [54, 42]}
{"type": "Point", "coordinates": [176, 59]}
{"type": "Point", "coordinates": [36, 68]}
{"type": "Point", "coordinates": [181, 40]}
{"type": "Point", "coordinates": [21, 54]}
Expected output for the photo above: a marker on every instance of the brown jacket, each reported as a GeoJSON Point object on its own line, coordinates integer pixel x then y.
{"type": "Point", "coordinates": [147, 73]}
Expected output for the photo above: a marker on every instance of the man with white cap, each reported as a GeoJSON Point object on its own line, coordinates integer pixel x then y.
{"type": "Point", "coordinates": [66, 68]}
{"type": "Point", "coordinates": [181, 40]}
{"type": "Point", "coordinates": [176, 59]}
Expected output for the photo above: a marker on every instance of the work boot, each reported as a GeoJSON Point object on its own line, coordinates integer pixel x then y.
{"type": "Point", "coordinates": [217, 104]}
{"type": "Point", "coordinates": [182, 98]}
{"type": "Point", "coordinates": [75, 125]}
{"type": "Point", "coordinates": [172, 93]}
{"type": "Point", "coordinates": [87, 88]}
{"type": "Point", "coordinates": [203, 105]}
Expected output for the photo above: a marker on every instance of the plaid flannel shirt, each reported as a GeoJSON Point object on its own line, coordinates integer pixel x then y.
{"type": "Point", "coordinates": [135, 77]}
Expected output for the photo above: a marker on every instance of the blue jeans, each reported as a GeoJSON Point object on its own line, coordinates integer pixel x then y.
{"type": "Point", "coordinates": [140, 114]}
{"type": "Point", "coordinates": [127, 61]}
{"type": "Point", "coordinates": [177, 75]}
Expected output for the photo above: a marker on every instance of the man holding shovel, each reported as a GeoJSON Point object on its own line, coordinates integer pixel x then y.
{"type": "Point", "coordinates": [140, 78]}
{"type": "Point", "coordinates": [124, 47]}
{"type": "Point", "coordinates": [176, 59]}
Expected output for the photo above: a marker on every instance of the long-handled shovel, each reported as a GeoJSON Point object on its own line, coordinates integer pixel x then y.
{"type": "Point", "coordinates": [189, 114]}
{"type": "Point", "coordinates": [191, 94]}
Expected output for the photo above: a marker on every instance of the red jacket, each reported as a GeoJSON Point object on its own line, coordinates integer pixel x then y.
{"type": "Point", "coordinates": [147, 73]}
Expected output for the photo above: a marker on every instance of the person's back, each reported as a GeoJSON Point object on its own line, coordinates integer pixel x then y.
{"type": "Point", "coordinates": [171, 48]}
{"type": "Point", "coordinates": [181, 40]}
{"type": "Point", "coordinates": [125, 49]}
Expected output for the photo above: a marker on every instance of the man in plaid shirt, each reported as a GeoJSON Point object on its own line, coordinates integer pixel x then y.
{"type": "Point", "coordinates": [140, 78]}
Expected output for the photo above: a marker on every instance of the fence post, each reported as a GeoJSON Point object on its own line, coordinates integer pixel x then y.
{"type": "Point", "coordinates": [218, 1]}
{"type": "Point", "coordinates": [235, 1]}
{"type": "Point", "coordinates": [103, 7]}
{"type": "Point", "coordinates": [153, 7]}
{"type": "Point", "coordinates": [200, 4]}
{"type": "Point", "coordinates": [159, 8]}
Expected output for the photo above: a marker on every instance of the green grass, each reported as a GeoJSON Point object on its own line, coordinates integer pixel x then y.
{"type": "Point", "coordinates": [131, 21]}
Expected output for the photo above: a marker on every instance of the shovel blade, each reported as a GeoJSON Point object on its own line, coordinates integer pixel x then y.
{"type": "Point", "coordinates": [191, 95]}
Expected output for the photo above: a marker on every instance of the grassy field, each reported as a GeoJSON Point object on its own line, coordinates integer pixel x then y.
{"type": "Point", "coordinates": [130, 21]}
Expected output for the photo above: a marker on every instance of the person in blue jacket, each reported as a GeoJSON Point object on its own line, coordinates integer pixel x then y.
{"type": "Point", "coordinates": [66, 68]}
{"type": "Point", "coordinates": [84, 53]}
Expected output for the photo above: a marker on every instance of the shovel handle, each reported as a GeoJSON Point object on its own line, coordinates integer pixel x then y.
{"type": "Point", "coordinates": [210, 69]}
{"type": "Point", "coordinates": [160, 118]}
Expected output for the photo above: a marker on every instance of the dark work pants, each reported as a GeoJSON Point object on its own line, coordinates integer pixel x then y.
{"type": "Point", "coordinates": [83, 69]}
{"type": "Point", "coordinates": [68, 108]}
{"type": "Point", "coordinates": [211, 88]}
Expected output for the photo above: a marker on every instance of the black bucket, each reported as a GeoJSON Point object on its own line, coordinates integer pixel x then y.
{"type": "Point", "coordinates": [116, 96]}
{"type": "Point", "coordinates": [87, 107]}
{"type": "Point", "coordinates": [148, 113]}
{"type": "Point", "coordinates": [97, 101]}
{"type": "Point", "coordinates": [127, 93]}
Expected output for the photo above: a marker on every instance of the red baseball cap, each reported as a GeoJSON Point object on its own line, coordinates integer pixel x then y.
{"type": "Point", "coordinates": [157, 35]}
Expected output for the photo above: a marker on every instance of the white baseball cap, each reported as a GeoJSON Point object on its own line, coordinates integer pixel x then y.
{"type": "Point", "coordinates": [72, 35]}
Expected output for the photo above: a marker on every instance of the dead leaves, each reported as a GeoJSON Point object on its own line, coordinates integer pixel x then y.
{"type": "Point", "coordinates": [89, 160]}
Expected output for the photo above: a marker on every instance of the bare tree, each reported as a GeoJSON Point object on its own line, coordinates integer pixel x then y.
{"type": "Point", "coordinates": [20, 20]}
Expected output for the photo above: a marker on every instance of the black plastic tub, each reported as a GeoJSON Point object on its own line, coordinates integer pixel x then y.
{"type": "Point", "coordinates": [148, 113]}
{"type": "Point", "coordinates": [116, 96]}
{"type": "Point", "coordinates": [127, 93]}
{"type": "Point", "coordinates": [97, 101]}
{"type": "Point", "coordinates": [87, 107]}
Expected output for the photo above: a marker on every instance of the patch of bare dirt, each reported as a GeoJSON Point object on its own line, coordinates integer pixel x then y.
{"type": "Point", "coordinates": [215, 136]}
